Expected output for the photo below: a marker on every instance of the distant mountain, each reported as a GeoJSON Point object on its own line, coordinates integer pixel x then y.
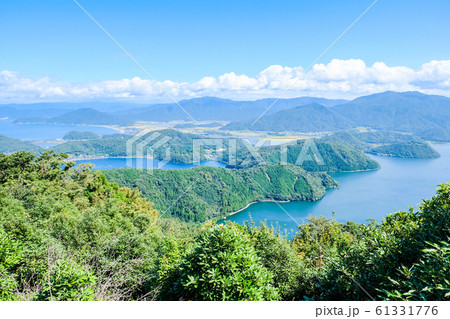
{"type": "Point", "coordinates": [436, 134]}
{"type": "Point", "coordinates": [216, 109]}
{"type": "Point", "coordinates": [10, 145]}
{"type": "Point", "coordinates": [408, 112]}
{"type": "Point", "coordinates": [202, 109]}
{"type": "Point", "coordinates": [427, 116]}
{"type": "Point", "coordinates": [30, 112]}
{"type": "Point", "coordinates": [68, 106]}
{"type": "Point", "coordinates": [192, 125]}
{"type": "Point", "coordinates": [308, 118]}
{"type": "Point", "coordinates": [86, 116]}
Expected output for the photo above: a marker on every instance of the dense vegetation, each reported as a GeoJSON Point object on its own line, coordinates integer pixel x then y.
{"type": "Point", "coordinates": [385, 143]}
{"type": "Point", "coordinates": [179, 146]}
{"type": "Point", "coordinates": [80, 135]}
{"type": "Point", "coordinates": [406, 150]}
{"type": "Point", "coordinates": [107, 147]}
{"type": "Point", "coordinates": [66, 233]}
{"type": "Point", "coordinates": [10, 145]}
{"type": "Point", "coordinates": [311, 155]}
{"type": "Point", "coordinates": [214, 192]}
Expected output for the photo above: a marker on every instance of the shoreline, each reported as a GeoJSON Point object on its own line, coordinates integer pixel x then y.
{"type": "Point", "coordinates": [95, 157]}
{"type": "Point", "coordinates": [116, 128]}
{"type": "Point", "coordinates": [255, 202]}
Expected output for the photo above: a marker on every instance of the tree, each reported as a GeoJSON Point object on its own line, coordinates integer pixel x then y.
{"type": "Point", "coordinates": [225, 266]}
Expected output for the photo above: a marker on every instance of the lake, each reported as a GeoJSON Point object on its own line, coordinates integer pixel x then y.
{"type": "Point", "coordinates": [46, 132]}
{"type": "Point", "coordinates": [398, 184]}
{"type": "Point", "coordinates": [114, 163]}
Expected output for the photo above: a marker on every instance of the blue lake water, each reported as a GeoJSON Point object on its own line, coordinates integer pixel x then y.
{"type": "Point", "coordinates": [114, 163]}
{"type": "Point", "coordinates": [41, 132]}
{"type": "Point", "coordinates": [399, 184]}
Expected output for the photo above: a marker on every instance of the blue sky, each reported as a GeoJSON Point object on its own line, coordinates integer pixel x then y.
{"type": "Point", "coordinates": [184, 41]}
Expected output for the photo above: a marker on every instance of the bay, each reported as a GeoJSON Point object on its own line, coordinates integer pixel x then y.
{"type": "Point", "coordinates": [46, 132]}
{"type": "Point", "coordinates": [397, 185]}
{"type": "Point", "coordinates": [115, 163]}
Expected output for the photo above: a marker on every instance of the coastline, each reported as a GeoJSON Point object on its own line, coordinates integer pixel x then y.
{"type": "Point", "coordinates": [255, 202]}
{"type": "Point", "coordinates": [97, 157]}
{"type": "Point", "coordinates": [117, 128]}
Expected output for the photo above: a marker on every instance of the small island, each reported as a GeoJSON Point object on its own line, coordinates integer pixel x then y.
{"type": "Point", "coordinates": [405, 150]}
{"type": "Point", "coordinates": [80, 135]}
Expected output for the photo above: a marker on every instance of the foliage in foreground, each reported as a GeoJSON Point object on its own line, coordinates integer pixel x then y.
{"type": "Point", "coordinates": [66, 233]}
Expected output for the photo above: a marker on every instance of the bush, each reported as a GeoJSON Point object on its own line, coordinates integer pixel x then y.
{"type": "Point", "coordinates": [225, 266]}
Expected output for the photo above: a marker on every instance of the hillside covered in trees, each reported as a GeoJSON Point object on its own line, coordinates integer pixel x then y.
{"type": "Point", "coordinates": [384, 143]}
{"type": "Point", "coordinates": [311, 155]}
{"type": "Point", "coordinates": [10, 145]}
{"type": "Point", "coordinates": [80, 135]}
{"type": "Point", "coordinates": [115, 145]}
{"type": "Point", "coordinates": [67, 233]}
{"type": "Point", "coordinates": [336, 156]}
{"type": "Point", "coordinates": [405, 150]}
{"type": "Point", "coordinates": [215, 192]}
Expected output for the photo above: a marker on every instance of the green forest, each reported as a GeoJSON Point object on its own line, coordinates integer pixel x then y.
{"type": "Point", "coordinates": [405, 150]}
{"type": "Point", "coordinates": [384, 143]}
{"type": "Point", "coordinates": [67, 233]}
{"type": "Point", "coordinates": [216, 192]}
{"type": "Point", "coordinates": [11, 145]}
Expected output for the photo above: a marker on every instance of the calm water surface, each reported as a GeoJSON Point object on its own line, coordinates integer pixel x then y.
{"type": "Point", "coordinates": [114, 163]}
{"type": "Point", "coordinates": [399, 183]}
{"type": "Point", "coordinates": [42, 132]}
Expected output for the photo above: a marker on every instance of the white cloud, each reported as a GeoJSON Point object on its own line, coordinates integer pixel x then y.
{"type": "Point", "coordinates": [337, 79]}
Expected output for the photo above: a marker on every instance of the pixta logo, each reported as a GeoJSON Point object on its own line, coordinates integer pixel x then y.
{"type": "Point", "coordinates": [141, 148]}
{"type": "Point", "coordinates": [150, 150]}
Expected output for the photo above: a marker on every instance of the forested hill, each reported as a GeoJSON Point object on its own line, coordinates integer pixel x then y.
{"type": "Point", "coordinates": [66, 233]}
{"type": "Point", "coordinates": [180, 145]}
{"type": "Point", "coordinates": [311, 155]}
{"type": "Point", "coordinates": [80, 135]}
{"type": "Point", "coordinates": [336, 156]}
{"type": "Point", "coordinates": [405, 150]}
{"type": "Point", "coordinates": [385, 143]}
{"type": "Point", "coordinates": [215, 192]}
{"type": "Point", "coordinates": [11, 145]}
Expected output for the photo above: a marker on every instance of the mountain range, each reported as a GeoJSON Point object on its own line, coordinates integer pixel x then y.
{"type": "Point", "coordinates": [84, 116]}
{"type": "Point", "coordinates": [201, 109]}
{"type": "Point", "coordinates": [426, 116]}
